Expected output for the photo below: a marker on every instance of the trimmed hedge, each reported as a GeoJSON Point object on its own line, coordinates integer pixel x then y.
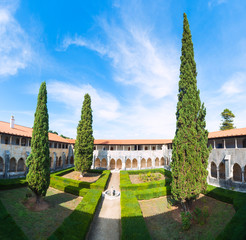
{"type": "Point", "coordinates": [126, 185]}
{"type": "Point", "coordinates": [12, 183]}
{"type": "Point", "coordinates": [235, 229]}
{"type": "Point", "coordinates": [132, 222]}
{"type": "Point", "coordinates": [76, 187]}
{"type": "Point", "coordinates": [155, 170]}
{"type": "Point", "coordinates": [77, 224]}
{"type": "Point", "coordinates": [152, 193]}
{"type": "Point", "coordinates": [8, 228]}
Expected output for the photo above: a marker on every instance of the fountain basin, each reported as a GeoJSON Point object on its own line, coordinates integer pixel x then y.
{"type": "Point", "coordinates": [109, 194]}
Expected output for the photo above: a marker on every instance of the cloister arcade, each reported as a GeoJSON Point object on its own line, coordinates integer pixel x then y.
{"type": "Point", "coordinates": [218, 172]}
{"type": "Point", "coordinates": [129, 163]}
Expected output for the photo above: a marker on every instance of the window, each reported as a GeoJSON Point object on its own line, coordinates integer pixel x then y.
{"type": "Point", "coordinates": [145, 148]}
{"type": "Point", "coordinates": [153, 148]}
{"type": "Point", "coordinates": [111, 148]}
{"type": "Point", "coordinates": [6, 140]}
{"type": "Point", "coordinates": [219, 145]}
{"type": "Point", "coordinates": [23, 142]}
{"type": "Point", "coordinates": [129, 148]}
{"type": "Point", "coordinates": [17, 141]}
{"type": "Point", "coordinates": [55, 145]}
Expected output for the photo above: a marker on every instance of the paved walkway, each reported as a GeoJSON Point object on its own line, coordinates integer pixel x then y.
{"type": "Point", "coordinates": [106, 223]}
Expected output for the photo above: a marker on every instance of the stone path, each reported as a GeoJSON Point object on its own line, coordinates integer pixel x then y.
{"type": "Point", "coordinates": [106, 223]}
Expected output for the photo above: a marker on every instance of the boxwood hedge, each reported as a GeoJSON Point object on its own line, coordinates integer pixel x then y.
{"type": "Point", "coordinates": [77, 224]}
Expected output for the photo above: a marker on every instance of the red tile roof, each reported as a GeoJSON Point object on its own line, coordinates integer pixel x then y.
{"type": "Point", "coordinates": [26, 132]}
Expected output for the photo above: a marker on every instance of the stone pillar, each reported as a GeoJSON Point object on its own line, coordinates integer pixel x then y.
{"type": "Point", "coordinates": [108, 162]}
{"type": "Point", "coordinates": [124, 163]}
{"type": "Point", "coordinates": [243, 175]}
{"type": "Point", "coordinates": [227, 161]}
{"type": "Point", "coordinates": [54, 162]}
{"type": "Point", "coordinates": [218, 172]}
{"type": "Point", "coordinates": [236, 143]}
{"type": "Point", "coordinates": [139, 162]}
{"type": "Point", "coordinates": [63, 159]}
{"type": "Point", "coordinates": [20, 141]}
{"type": "Point", "coordinates": [10, 140]}
{"type": "Point", "coordinates": [224, 143]}
{"type": "Point", "coordinates": [214, 144]}
{"type": "Point", "coordinates": [6, 164]}
{"type": "Point", "coordinates": [93, 162]}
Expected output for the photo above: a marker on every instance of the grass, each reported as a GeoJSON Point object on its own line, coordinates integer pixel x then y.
{"type": "Point", "coordinates": [164, 223]}
{"type": "Point", "coordinates": [62, 205]}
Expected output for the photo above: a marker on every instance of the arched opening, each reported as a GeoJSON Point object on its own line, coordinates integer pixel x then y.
{"type": "Point", "coordinates": [12, 165]}
{"type": "Point", "coordinates": [244, 143]}
{"type": "Point", "coordinates": [149, 163]}
{"type": "Point", "coordinates": [213, 170]}
{"type": "Point", "coordinates": [237, 173]}
{"type": "Point", "coordinates": [157, 162]}
{"type": "Point", "coordinates": [143, 163]}
{"type": "Point", "coordinates": [112, 164]}
{"type": "Point", "coordinates": [71, 160]}
{"type": "Point", "coordinates": [104, 163]}
{"type": "Point", "coordinates": [1, 165]}
{"type": "Point", "coordinates": [66, 162]}
{"type": "Point", "coordinates": [134, 163]}
{"type": "Point", "coordinates": [119, 164]}
{"type": "Point", "coordinates": [97, 163]}
{"type": "Point", "coordinates": [222, 170]}
{"type": "Point", "coordinates": [21, 165]}
{"type": "Point", "coordinates": [128, 163]}
{"type": "Point", "coordinates": [162, 161]}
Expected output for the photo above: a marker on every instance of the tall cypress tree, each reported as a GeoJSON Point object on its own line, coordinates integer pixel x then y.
{"type": "Point", "coordinates": [84, 141]}
{"type": "Point", "coordinates": [38, 162]}
{"type": "Point", "coordinates": [190, 152]}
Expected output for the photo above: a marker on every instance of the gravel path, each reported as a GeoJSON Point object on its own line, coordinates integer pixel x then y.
{"type": "Point", "coordinates": [106, 223]}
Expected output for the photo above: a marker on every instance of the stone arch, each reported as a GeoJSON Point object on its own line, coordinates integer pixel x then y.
{"type": "Point", "coordinates": [57, 162]}
{"type": "Point", "coordinates": [71, 160]}
{"type": "Point", "coordinates": [104, 163]}
{"type": "Point", "coordinates": [157, 162]}
{"type": "Point", "coordinates": [143, 163]}
{"type": "Point", "coordinates": [60, 161]}
{"type": "Point", "coordinates": [222, 170]}
{"type": "Point", "coordinates": [134, 163]}
{"type": "Point", "coordinates": [112, 164]}
{"type": "Point", "coordinates": [128, 163]}
{"type": "Point", "coordinates": [119, 164]}
{"type": "Point", "coordinates": [97, 163]}
{"type": "Point", "coordinates": [1, 165]}
{"type": "Point", "coordinates": [162, 161]}
{"type": "Point", "coordinates": [237, 173]}
{"type": "Point", "coordinates": [213, 170]}
{"type": "Point", "coordinates": [12, 165]}
{"type": "Point", "coordinates": [149, 163]}
{"type": "Point", "coordinates": [21, 165]}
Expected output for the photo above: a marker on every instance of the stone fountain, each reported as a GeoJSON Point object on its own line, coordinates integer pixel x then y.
{"type": "Point", "coordinates": [111, 194]}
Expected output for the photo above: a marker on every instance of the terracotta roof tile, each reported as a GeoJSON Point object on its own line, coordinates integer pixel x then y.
{"type": "Point", "coordinates": [26, 132]}
{"type": "Point", "coordinates": [228, 133]}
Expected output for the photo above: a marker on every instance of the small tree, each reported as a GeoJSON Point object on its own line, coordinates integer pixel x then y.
{"type": "Point", "coordinates": [84, 141]}
{"type": "Point", "coordinates": [227, 120]}
{"type": "Point", "coordinates": [38, 162]}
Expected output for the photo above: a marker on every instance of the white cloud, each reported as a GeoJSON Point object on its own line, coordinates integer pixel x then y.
{"type": "Point", "coordinates": [213, 3]}
{"type": "Point", "coordinates": [15, 50]}
{"type": "Point", "coordinates": [138, 59]}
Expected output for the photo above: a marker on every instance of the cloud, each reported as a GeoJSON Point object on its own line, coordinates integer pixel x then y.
{"type": "Point", "coordinates": [213, 3]}
{"type": "Point", "coordinates": [15, 49]}
{"type": "Point", "coordinates": [138, 59]}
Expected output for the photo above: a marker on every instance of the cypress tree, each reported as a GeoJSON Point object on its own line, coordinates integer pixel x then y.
{"type": "Point", "coordinates": [84, 141]}
{"type": "Point", "coordinates": [190, 152]}
{"type": "Point", "coordinates": [38, 162]}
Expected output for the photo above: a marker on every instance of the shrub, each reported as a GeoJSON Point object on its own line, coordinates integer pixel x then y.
{"type": "Point", "coordinates": [77, 224]}
{"type": "Point", "coordinates": [186, 220]}
{"type": "Point", "coordinates": [152, 193]}
{"type": "Point", "coordinates": [12, 183]}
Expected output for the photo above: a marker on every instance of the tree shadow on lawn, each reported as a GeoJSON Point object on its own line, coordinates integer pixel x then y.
{"type": "Point", "coordinates": [164, 221]}
{"type": "Point", "coordinates": [39, 225]}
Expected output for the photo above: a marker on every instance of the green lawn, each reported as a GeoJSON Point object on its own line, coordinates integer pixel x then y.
{"type": "Point", "coordinates": [164, 222]}
{"type": "Point", "coordinates": [39, 225]}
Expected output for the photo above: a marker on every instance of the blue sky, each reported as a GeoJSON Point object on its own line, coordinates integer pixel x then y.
{"type": "Point", "coordinates": [126, 55]}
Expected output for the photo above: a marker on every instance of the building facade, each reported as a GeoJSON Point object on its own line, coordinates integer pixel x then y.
{"type": "Point", "coordinates": [226, 163]}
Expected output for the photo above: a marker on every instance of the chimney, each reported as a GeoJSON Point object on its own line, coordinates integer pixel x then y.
{"type": "Point", "coordinates": [12, 122]}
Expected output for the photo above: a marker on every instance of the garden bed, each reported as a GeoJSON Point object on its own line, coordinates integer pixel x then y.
{"type": "Point", "coordinates": [148, 177]}
{"type": "Point", "coordinates": [88, 177]}
{"type": "Point", "coordinates": [164, 221]}
{"type": "Point", "coordinates": [39, 225]}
